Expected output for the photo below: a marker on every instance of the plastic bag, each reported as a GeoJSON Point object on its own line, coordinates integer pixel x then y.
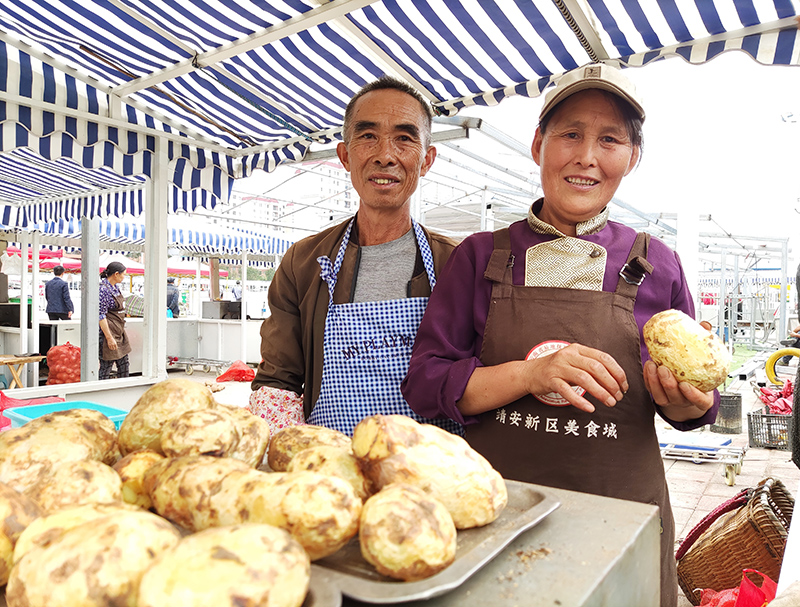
{"type": "Point", "coordinates": [238, 371]}
{"type": "Point", "coordinates": [6, 402]}
{"type": "Point", "coordinates": [746, 595]}
{"type": "Point", "coordinates": [64, 363]}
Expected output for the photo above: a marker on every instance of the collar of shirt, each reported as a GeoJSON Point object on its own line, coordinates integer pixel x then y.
{"type": "Point", "coordinates": [590, 226]}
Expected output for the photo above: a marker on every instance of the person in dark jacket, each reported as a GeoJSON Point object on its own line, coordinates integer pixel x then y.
{"type": "Point", "coordinates": [173, 297]}
{"type": "Point", "coordinates": [56, 292]}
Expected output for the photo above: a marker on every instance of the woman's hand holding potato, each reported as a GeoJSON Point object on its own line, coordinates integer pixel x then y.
{"type": "Point", "coordinates": [688, 363]}
{"type": "Point", "coordinates": [680, 401]}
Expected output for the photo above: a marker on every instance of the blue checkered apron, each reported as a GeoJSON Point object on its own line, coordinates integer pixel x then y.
{"type": "Point", "coordinates": [366, 349]}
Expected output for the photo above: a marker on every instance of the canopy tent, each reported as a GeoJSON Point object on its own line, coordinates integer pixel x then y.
{"type": "Point", "coordinates": [250, 79]}
{"type": "Point", "coordinates": [177, 266]}
{"type": "Point", "coordinates": [192, 95]}
{"type": "Point", "coordinates": [70, 264]}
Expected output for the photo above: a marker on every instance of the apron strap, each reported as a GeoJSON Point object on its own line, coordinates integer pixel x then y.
{"type": "Point", "coordinates": [636, 268]}
{"type": "Point", "coordinates": [500, 263]}
{"type": "Point", "coordinates": [425, 252]}
{"type": "Point", "coordinates": [330, 271]}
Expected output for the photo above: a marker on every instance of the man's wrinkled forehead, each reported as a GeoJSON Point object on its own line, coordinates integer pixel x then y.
{"type": "Point", "coordinates": [410, 129]}
{"type": "Point", "coordinates": [412, 120]}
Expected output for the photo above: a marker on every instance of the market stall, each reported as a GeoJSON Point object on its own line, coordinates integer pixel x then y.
{"type": "Point", "coordinates": [189, 100]}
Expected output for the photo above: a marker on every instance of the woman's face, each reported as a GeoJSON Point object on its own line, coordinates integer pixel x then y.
{"type": "Point", "coordinates": [116, 278]}
{"type": "Point", "coordinates": [583, 156]}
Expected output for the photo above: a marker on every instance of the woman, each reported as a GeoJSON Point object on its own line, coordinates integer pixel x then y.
{"type": "Point", "coordinates": [114, 344]}
{"type": "Point", "coordinates": [545, 365]}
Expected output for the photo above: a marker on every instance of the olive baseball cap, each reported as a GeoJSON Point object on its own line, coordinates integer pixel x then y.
{"type": "Point", "coordinates": [594, 76]}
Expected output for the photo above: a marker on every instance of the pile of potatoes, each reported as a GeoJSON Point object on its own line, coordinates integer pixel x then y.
{"type": "Point", "coordinates": [186, 506]}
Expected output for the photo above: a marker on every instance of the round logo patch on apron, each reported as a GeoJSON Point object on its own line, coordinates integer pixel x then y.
{"type": "Point", "coordinates": [546, 348]}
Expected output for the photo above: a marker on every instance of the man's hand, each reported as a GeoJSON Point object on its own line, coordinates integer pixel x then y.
{"type": "Point", "coordinates": [680, 401]}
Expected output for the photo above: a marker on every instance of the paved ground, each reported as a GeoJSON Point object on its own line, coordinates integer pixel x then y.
{"type": "Point", "coordinates": [696, 489]}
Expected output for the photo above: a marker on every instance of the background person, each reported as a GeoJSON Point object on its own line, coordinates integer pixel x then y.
{"type": "Point", "coordinates": [236, 291]}
{"type": "Point", "coordinates": [56, 292]}
{"type": "Point", "coordinates": [346, 303]}
{"type": "Point", "coordinates": [173, 297]}
{"type": "Point", "coordinates": [559, 300]}
{"type": "Point", "coordinates": [114, 343]}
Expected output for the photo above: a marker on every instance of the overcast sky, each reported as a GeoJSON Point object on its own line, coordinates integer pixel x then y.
{"type": "Point", "coordinates": [716, 141]}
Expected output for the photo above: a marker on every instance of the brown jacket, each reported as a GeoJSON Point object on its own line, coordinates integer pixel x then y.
{"type": "Point", "coordinates": [291, 337]}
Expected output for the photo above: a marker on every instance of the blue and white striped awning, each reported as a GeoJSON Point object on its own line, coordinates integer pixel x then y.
{"type": "Point", "coordinates": [244, 84]}
{"type": "Point", "coordinates": [34, 189]}
{"type": "Point", "coordinates": [223, 242]}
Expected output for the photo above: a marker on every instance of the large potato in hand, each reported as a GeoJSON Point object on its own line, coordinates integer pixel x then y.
{"type": "Point", "coordinates": [406, 534]}
{"type": "Point", "coordinates": [17, 512]}
{"type": "Point", "coordinates": [693, 354]}
{"type": "Point", "coordinates": [247, 564]}
{"type": "Point", "coordinates": [141, 428]}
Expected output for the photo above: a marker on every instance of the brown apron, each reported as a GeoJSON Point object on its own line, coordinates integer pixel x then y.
{"type": "Point", "coordinates": [612, 452]}
{"type": "Point", "coordinates": [116, 324]}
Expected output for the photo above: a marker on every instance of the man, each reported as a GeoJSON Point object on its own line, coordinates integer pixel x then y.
{"type": "Point", "coordinates": [173, 297]}
{"type": "Point", "coordinates": [346, 303]}
{"type": "Point", "coordinates": [237, 291]}
{"type": "Point", "coordinates": [56, 292]}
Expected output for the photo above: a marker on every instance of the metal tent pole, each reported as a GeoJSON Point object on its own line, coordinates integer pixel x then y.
{"type": "Point", "coordinates": [154, 356]}
{"type": "Point", "coordinates": [90, 299]}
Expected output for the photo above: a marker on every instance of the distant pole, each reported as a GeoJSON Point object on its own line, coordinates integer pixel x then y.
{"type": "Point", "coordinates": [90, 299]}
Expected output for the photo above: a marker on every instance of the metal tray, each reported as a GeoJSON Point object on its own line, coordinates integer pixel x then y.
{"type": "Point", "coordinates": [347, 572]}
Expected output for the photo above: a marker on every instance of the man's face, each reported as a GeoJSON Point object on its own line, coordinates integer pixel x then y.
{"type": "Point", "coordinates": [385, 152]}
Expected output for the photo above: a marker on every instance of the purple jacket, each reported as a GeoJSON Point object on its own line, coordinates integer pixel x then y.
{"type": "Point", "coordinates": [450, 336]}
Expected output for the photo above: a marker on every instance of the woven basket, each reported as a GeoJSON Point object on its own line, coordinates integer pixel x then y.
{"type": "Point", "coordinates": [748, 531]}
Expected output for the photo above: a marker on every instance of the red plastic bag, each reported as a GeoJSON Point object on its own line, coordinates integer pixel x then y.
{"type": "Point", "coordinates": [6, 402]}
{"type": "Point", "coordinates": [238, 371]}
{"type": "Point", "coordinates": [64, 363]}
{"type": "Point", "coordinates": [746, 595]}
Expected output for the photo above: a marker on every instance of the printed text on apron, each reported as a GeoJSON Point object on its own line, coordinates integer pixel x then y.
{"type": "Point", "coordinates": [366, 349]}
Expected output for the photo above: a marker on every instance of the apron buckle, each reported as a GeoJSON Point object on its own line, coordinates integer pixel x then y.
{"type": "Point", "coordinates": [632, 275]}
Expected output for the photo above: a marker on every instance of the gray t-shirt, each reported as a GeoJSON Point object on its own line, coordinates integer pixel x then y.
{"type": "Point", "coordinates": [385, 269]}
